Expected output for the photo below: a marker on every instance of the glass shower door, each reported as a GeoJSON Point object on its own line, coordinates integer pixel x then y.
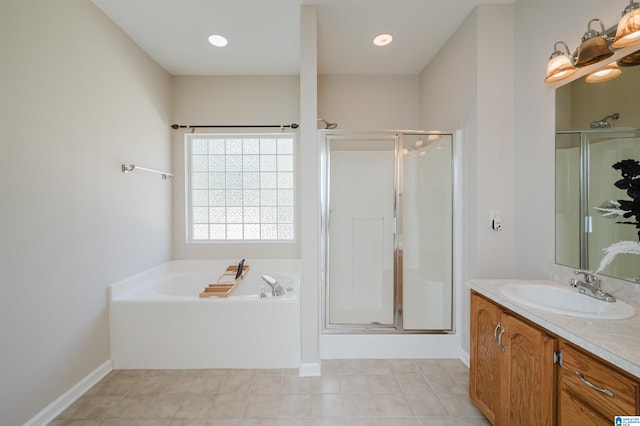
{"type": "Point", "coordinates": [360, 243]}
{"type": "Point", "coordinates": [426, 230]}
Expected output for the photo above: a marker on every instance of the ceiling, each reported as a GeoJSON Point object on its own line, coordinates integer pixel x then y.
{"type": "Point", "coordinates": [264, 35]}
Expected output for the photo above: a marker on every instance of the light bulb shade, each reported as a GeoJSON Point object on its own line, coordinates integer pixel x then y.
{"type": "Point", "coordinates": [628, 31]}
{"type": "Point", "coordinates": [559, 67]}
{"type": "Point", "coordinates": [607, 73]}
{"type": "Point", "coordinates": [594, 47]}
{"type": "Point", "coordinates": [630, 60]}
{"type": "Point", "coordinates": [593, 50]}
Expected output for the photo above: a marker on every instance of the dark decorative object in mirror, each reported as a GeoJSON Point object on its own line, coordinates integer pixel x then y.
{"type": "Point", "coordinates": [630, 170]}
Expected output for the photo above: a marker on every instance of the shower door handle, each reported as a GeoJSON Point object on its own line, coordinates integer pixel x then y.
{"type": "Point", "coordinates": [394, 225]}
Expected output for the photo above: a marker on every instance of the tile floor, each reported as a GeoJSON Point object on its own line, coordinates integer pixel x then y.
{"type": "Point", "coordinates": [349, 393]}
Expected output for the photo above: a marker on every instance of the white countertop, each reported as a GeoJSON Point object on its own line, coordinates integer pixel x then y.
{"type": "Point", "coordinates": [616, 341]}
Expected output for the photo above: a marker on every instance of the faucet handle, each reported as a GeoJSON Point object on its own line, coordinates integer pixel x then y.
{"type": "Point", "coordinates": [589, 277]}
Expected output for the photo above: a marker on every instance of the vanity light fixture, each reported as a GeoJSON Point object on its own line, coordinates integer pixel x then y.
{"type": "Point", "coordinates": [594, 47]}
{"type": "Point", "coordinates": [607, 73]}
{"type": "Point", "coordinates": [628, 31]}
{"type": "Point", "coordinates": [218, 40]}
{"type": "Point", "coordinates": [560, 64]}
{"type": "Point", "coordinates": [382, 40]}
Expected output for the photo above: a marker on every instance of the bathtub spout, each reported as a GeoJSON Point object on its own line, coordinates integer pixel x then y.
{"type": "Point", "coordinates": [276, 288]}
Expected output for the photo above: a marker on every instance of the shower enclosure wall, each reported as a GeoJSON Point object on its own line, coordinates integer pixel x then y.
{"type": "Point", "coordinates": [387, 232]}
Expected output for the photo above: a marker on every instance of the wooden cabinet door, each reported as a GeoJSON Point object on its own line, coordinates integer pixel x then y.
{"type": "Point", "coordinates": [527, 377]}
{"type": "Point", "coordinates": [484, 371]}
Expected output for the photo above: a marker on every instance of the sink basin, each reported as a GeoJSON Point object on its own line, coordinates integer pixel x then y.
{"type": "Point", "coordinates": [566, 301]}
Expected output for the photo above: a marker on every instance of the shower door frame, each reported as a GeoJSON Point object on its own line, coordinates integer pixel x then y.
{"type": "Point", "coordinates": [325, 167]}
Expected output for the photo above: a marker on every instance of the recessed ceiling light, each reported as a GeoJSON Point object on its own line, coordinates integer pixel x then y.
{"type": "Point", "coordinates": [382, 39]}
{"type": "Point", "coordinates": [218, 40]}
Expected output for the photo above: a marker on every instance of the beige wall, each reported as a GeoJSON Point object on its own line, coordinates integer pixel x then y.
{"type": "Point", "coordinates": [78, 99]}
{"type": "Point", "coordinates": [534, 120]}
{"type": "Point", "coordinates": [369, 102]}
{"type": "Point", "coordinates": [220, 100]}
{"type": "Point", "coordinates": [467, 87]}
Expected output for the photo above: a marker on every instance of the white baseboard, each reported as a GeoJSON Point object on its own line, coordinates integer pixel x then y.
{"type": "Point", "coordinates": [53, 410]}
{"type": "Point", "coordinates": [309, 369]}
{"type": "Point", "coordinates": [464, 357]}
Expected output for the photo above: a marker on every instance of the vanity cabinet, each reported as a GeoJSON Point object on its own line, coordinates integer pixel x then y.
{"type": "Point", "coordinates": [591, 392]}
{"type": "Point", "coordinates": [522, 374]}
{"type": "Point", "coordinates": [511, 372]}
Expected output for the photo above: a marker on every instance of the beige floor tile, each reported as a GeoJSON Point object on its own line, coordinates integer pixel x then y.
{"type": "Point", "coordinates": [383, 383]}
{"type": "Point", "coordinates": [187, 422]}
{"type": "Point", "coordinates": [196, 407]}
{"type": "Point", "coordinates": [453, 365]}
{"type": "Point", "coordinates": [93, 407]}
{"type": "Point", "coordinates": [325, 384]}
{"type": "Point", "coordinates": [258, 422]}
{"type": "Point", "coordinates": [129, 407]}
{"type": "Point", "coordinates": [213, 421]}
{"type": "Point", "coordinates": [401, 421]}
{"type": "Point", "coordinates": [270, 372]}
{"type": "Point", "coordinates": [443, 382]}
{"type": "Point", "coordinates": [459, 405]}
{"type": "Point", "coordinates": [453, 421]}
{"type": "Point", "coordinates": [298, 406]}
{"type": "Point", "coordinates": [327, 405]}
{"type": "Point", "coordinates": [329, 366]}
{"type": "Point", "coordinates": [207, 385]}
{"type": "Point", "coordinates": [270, 385]}
{"type": "Point", "coordinates": [394, 392]}
{"type": "Point", "coordinates": [117, 422]}
{"type": "Point", "coordinates": [148, 385]}
{"type": "Point", "coordinates": [393, 405]}
{"type": "Point", "coordinates": [242, 371]}
{"type": "Point", "coordinates": [365, 421]}
{"type": "Point", "coordinates": [214, 372]}
{"type": "Point", "coordinates": [162, 407]}
{"type": "Point", "coordinates": [360, 405]}
{"type": "Point", "coordinates": [152, 422]}
{"type": "Point", "coordinates": [113, 384]}
{"type": "Point", "coordinates": [354, 383]}
{"type": "Point", "coordinates": [229, 406]}
{"type": "Point", "coordinates": [413, 383]}
{"type": "Point", "coordinates": [237, 384]}
{"type": "Point", "coordinates": [285, 421]}
{"type": "Point", "coordinates": [330, 421]}
{"type": "Point", "coordinates": [179, 385]}
{"type": "Point", "coordinates": [296, 385]}
{"type": "Point", "coordinates": [403, 366]}
{"type": "Point", "coordinates": [429, 366]}
{"type": "Point", "coordinates": [426, 404]}
{"type": "Point", "coordinates": [262, 406]}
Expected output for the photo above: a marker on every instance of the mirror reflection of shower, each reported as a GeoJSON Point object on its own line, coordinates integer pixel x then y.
{"type": "Point", "coordinates": [328, 125]}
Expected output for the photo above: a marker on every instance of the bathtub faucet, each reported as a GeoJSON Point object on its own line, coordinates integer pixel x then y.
{"type": "Point", "coordinates": [276, 288]}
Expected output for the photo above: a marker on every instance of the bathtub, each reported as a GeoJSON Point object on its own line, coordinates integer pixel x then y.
{"type": "Point", "coordinates": [158, 321]}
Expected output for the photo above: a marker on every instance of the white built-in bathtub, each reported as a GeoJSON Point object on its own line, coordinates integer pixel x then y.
{"type": "Point", "coordinates": [157, 319]}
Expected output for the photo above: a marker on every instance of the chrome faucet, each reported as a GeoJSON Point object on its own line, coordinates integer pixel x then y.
{"type": "Point", "coordinates": [276, 288]}
{"type": "Point", "coordinates": [591, 286]}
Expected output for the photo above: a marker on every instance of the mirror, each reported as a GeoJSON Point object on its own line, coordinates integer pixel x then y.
{"type": "Point", "coordinates": [588, 166]}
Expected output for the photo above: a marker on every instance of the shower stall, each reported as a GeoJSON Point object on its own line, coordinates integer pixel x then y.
{"type": "Point", "coordinates": [387, 232]}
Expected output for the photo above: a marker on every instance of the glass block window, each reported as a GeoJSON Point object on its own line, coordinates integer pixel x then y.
{"type": "Point", "coordinates": [241, 187]}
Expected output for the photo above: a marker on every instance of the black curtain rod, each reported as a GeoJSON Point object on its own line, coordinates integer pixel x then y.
{"type": "Point", "coordinates": [222, 126]}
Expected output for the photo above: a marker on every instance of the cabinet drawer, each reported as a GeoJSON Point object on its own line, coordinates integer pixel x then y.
{"type": "Point", "coordinates": [617, 395]}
